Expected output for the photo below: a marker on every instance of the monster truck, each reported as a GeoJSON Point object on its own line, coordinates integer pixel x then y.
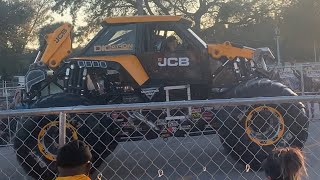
{"type": "Point", "coordinates": [127, 62]}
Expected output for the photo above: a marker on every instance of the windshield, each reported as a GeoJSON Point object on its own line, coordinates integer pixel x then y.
{"type": "Point", "coordinates": [198, 38]}
{"type": "Point", "coordinates": [118, 38]}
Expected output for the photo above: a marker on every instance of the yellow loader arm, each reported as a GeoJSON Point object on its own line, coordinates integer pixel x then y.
{"type": "Point", "coordinates": [232, 51]}
{"type": "Point", "coordinates": [58, 46]}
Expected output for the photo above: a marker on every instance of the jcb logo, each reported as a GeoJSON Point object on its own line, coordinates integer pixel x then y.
{"type": "Point", "coordinates": [60, 36]}
{"type": "Point", "coordinates": [173, 62]}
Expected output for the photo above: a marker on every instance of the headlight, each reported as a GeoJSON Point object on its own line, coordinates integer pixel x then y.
{"type": "Point", "coordinates": [34, 77]}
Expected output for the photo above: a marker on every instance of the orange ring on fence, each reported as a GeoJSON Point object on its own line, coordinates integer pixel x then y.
{"type": "Point", "coordinates": [268, 141]}
{"type": "Point", "coordinates": [42, 133]}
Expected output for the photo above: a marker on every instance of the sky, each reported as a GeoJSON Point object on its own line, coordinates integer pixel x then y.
{"type": "Point", "coordinates": [57, 17]}
{"type": "Point", "coordinates": [67, 18]}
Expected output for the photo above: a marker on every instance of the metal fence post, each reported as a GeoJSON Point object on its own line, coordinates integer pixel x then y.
{"type": "Point", "coordinates": [6, 91]}
{"type": "Point", "coordinates": [2, 87]}
{"type": "Point", "coordinates": [302, 80]}
{"type": "Point", "coordinates": [62, 128]}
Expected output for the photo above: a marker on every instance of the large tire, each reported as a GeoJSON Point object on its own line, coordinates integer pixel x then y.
{"type": "Point", "coordinates": [241, 141]}
{"type": "Point", "coordinates": [95, 129]}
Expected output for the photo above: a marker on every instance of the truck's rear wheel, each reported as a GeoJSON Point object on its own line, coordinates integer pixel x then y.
{"type": "Point", "coordinates": [36, 142]}
{"type": "Point", "coordinates": [251, 132]}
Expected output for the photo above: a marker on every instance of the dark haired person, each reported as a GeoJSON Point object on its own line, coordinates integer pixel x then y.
{"type": "Point", "coordinates": [172, 44]}
{"type": "Point", "coordinates": [74, 161]}
{"type": "Point", "coordinates": [285, 164]}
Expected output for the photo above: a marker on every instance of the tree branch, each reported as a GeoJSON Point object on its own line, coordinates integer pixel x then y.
{"type": "Point", "coordinates": [159, 4]}
{"type": "Point", "coordinates": [148, 7]}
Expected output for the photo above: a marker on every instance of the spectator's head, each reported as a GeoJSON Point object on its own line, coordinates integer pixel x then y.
{"type": "Point", "coordinates": [172, 43]}
{"type": "Point", "coordinates": [285, 164]}
{"type": "Point", "coordinates": [73, 159]}
{"type": "Point", "coordinates": [17, 96]}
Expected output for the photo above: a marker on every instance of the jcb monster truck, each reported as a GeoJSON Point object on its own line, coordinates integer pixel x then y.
{"type": "Point", "coordinates": [128, 62]}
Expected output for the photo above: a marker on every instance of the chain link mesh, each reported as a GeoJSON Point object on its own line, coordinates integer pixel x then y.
{"type": "Point", "coordinates": [201, 142]}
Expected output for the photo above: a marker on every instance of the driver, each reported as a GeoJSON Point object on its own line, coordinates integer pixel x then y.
{"type": "Point", "coordinates": [172, 44]}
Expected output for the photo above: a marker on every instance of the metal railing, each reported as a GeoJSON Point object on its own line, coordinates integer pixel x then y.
{"type": "Point", "coordinates": [7, 92]}
{"type": "Point", "coordinates": [302, 78]}
{"type": "Point", "coordinates": [221, 139]}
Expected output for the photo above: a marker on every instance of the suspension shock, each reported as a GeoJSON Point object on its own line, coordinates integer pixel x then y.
{"type": "Point", "coordinates": [66, 80]}
{"type": "Point", "coordinates": [79, 80]}
{"type": "Point", "coordinates": [71, 79]}
{"type": "Point", "coordinates": [237, 69]}
{"type": "Point", "coordinates": [84, 76]}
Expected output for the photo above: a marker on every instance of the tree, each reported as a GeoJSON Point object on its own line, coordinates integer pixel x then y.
{"type": "Point", "coordinates": [249, 22]}
{"type": "Point", "coordinates": [300, 28]}
{"type": "Point", "coordinates": [13, 27]}
{"type": "Point", "coordinates": [13, 33]}
{"type": "Point", "coordinates": [21, 22]}
{"type": "Point", "coordinates": [41, 14]}
{"type": "Point", "coordinates": [204, 13]}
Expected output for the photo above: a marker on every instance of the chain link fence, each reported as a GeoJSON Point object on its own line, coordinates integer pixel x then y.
{"type": "Point", "coordinates": [8, 92]}
{"type": "Point", "coordinates": [211, 139]}
{"type": "Point", "coordinates": [9, 98]}
{"type": "Point", "coordinates": [304, 79]}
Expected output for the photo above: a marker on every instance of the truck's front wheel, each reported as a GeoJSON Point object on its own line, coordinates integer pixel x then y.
{"type": "Point", "coordinates": [37, 139]}
{"type": "Point", "coordinates": [251, 132]}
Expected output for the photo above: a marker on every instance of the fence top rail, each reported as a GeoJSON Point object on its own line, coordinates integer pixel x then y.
{"type": "Point", "coordinates": [294, 66]}
{"type": "Point", "coordinates": [161, 105]}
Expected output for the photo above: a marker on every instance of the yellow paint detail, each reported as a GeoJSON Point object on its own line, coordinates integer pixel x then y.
{"type": "Point", "coordinates": [231, 52]}
{"type": "Point", "coordinates": [268, 141]}
{"type": "Point", "coordinates": [58, 47]}
{"type": "Point", "coordinates": [43, 132]}
{"type": "Point", "coordinates": [129, 62]}
{"type": "Point", "coordinates": [196, 115]}
{"type": "Point", "coordinates": [141, 19]}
